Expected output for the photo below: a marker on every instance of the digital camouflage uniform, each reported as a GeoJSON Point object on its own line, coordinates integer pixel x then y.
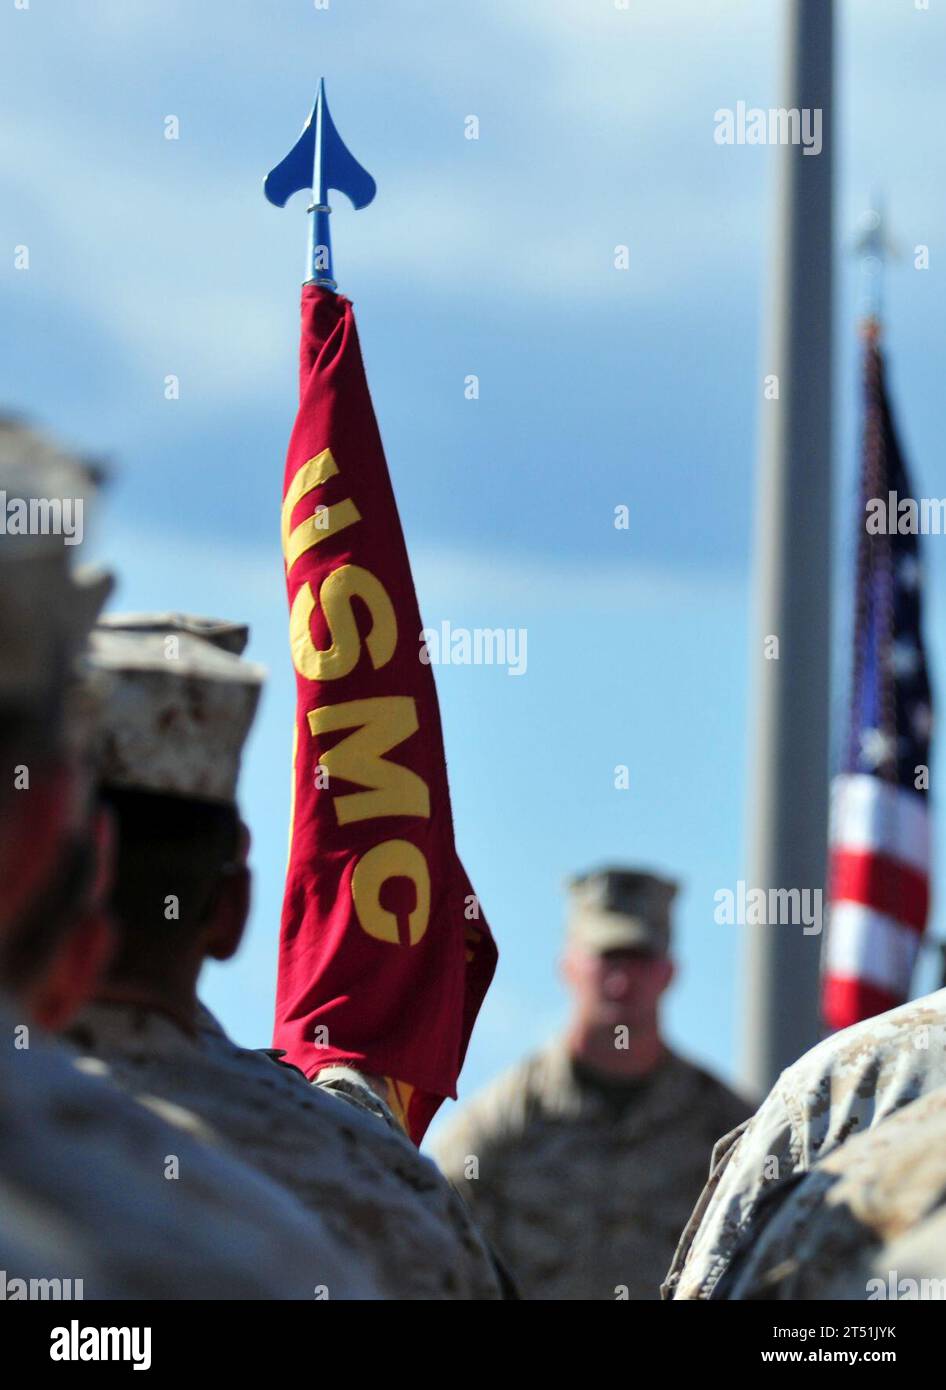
{"type": "Point", "coordinates": [384, 1202]}
{"type": "Point", "coordinates": [582, 1202]}
{"type": "Point", "coordinates": [844, 1225]}
{"type": "Point", "coordinates": [176, 727]}
{"type": "Point", "coordinates": [841, 1088]}
{"type": "Point", "coordinates": [582, 1181]}
{"type": "Point", "coordinates": [135, 1202]}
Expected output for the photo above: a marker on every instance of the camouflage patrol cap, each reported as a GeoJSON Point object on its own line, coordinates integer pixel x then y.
{"type": "Point", "coordinates": [229, 637]}
{"type": "Point", "coordinates": [180, 705]}
{"type": "Point", "coordinates": [47, 603]}
{"type": "Point", "coordinates": [615, 909]}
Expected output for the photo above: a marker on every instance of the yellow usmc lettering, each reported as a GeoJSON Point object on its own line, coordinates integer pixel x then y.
{"type": "Point", "coordinates": [379, 723]}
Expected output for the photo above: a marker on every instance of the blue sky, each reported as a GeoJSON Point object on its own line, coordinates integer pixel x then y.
{"type": "Point", "coordinates": [598, 387]}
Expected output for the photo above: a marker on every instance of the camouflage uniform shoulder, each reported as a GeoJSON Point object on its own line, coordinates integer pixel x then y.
{"type": "Point", "coordinates": [384, 1203]}
{"type": "Point", "coordinates": [543, 1087]}
{"type": "Point", "coordinates": [840, 1088]}
{"type": "Point", "coordinates": [835, 1222]}
{"type": "Point", "coordinates": [284, 1080]}
{"type": "Point", "coordinates": [859, 1076]}
{"type": "Point", "coordinates": [500, 1112]}
{"type": "Point", "coordinates": [149, 1210]}
{"type": "Point", "coordinates": [713, 1095]}
{"type": "Point", "coordinates": [345, 1098]}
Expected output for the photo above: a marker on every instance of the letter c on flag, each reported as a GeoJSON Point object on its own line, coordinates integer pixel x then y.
{"type": "Point", "coordinates": [391, 859]}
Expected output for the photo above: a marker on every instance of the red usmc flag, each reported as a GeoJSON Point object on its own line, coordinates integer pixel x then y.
{"type": "Point", "coordinates": [384, 957]}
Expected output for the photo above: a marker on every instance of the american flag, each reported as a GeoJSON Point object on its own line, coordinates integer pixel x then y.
{"type": "Point", "coordinates": [879, 876]}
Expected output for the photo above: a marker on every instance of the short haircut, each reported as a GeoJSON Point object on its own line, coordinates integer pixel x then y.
{"type": "Point", "coordinates": [170, 855]}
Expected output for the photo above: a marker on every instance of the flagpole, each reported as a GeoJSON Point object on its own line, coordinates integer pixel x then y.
{"type": "Point", "coordinates": [873, 247]}
{"type": "Point", "coordinates": [790, 642]}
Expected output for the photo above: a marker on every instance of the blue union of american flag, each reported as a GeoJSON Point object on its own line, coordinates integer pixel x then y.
{"type": "Point", "coordinates": [879, 875]}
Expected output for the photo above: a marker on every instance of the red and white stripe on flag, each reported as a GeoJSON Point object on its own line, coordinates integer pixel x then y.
{"type": "Point", "coordinates": [880, 885]}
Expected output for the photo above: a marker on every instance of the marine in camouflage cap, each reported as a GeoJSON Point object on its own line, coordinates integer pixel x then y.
{"type": "Point", "coordinates": [849, 1083]}
{"type": "Point", "coordinates": [621, 909]}
{"type": "Point", "coordinates": [84, 1190]}
{"type": "Point", "coordinates": [581, 1162]}
{"type": "Point", "coordinates": [180, 706]}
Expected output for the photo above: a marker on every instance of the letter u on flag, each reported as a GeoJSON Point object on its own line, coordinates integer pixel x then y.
{"type": "Point", "coordinates": [384, 957]}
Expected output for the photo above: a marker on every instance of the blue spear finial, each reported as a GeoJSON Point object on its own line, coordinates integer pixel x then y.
{"type": "Point", "coordinates": [318, 161]}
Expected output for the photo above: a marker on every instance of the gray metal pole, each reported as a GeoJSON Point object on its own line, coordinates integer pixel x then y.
{"type": "Point", "coordinates": [788, 824]}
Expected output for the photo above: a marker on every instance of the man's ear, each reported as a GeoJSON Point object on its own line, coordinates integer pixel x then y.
{"type": "Point", "coordinates": [226, 920]}
{"type": "Point", "coordinates": [574, 966]}
{"type": "Point", "coordinates": [71, 978]}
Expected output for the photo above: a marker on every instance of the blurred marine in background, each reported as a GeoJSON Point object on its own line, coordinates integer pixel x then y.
{"type": "Point", "coordinates": [583, 1163]}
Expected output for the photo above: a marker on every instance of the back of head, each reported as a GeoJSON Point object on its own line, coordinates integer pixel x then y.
{"type": "Point", "coordinates": [180, 702]}
{"type": "Point", "coordinates": [171, 854]}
